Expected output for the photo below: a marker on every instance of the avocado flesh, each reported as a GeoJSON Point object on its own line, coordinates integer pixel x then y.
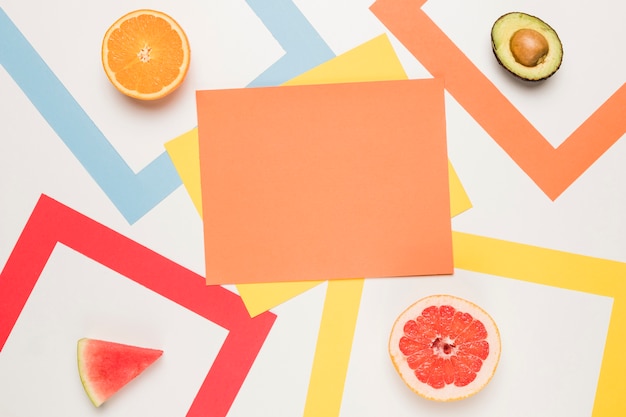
{"type": "Point", "coordinates": [526, 46]}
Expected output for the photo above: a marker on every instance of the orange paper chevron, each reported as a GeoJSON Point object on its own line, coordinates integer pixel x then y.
{"type": "Point", "coordinates": [552, 169]}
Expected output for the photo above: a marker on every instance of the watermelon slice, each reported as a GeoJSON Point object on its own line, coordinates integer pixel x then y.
{"type": "Point", "coordinates": [105, 367]}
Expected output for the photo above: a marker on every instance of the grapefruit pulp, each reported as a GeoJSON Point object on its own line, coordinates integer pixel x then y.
{"type": "Point", "coordinates": [445, 348]}
{"type": "Point", "coordinates": [105, 367]}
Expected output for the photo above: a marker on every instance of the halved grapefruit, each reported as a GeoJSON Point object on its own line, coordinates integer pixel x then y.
{"type": "Point", "coordinates": [445, 348]}
{"type": "Point", "coordinates": [105, 367]}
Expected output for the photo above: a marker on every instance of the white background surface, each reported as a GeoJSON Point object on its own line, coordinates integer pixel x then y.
{"type": "Point", "coordinates": [230, 47]}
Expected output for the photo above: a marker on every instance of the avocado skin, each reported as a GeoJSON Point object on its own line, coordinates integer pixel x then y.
{"type": "Point", "coordinates": [555, 40]}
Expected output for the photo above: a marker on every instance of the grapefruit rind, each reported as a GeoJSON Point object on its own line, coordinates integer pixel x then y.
{"type": "Point", "coordinates": [450, 392]}
{"type": "Point", "coordinates": [167, 89]}
{"type": "Point", "coordinates": [90, 384]}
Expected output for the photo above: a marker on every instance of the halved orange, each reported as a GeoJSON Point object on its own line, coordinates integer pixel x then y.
{"type": "Point", "coordinates": [445, 348]}
{"type": "Point", "coordinates": [145, 54]}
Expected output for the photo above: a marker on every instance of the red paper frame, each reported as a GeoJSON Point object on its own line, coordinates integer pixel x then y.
{"type": "Point", "coordinates": [52, 222]}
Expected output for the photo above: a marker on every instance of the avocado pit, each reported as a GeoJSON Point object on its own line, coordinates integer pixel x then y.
{"type": "Point", "coordinates": [529, 47]}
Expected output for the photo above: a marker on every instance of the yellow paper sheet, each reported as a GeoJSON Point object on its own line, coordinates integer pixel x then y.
{"type": "Point", "coordinates": [459, 200]}
{"type": "Point", "coordinates": [185, 154]}
{"type": "Point", "coordinates": [563, 270]}
{"type": "Point", "coordinates": [374, 60]}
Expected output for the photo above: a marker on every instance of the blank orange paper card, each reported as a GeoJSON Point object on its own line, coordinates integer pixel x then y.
{"type": "Point", "coordinates": [321, 182]}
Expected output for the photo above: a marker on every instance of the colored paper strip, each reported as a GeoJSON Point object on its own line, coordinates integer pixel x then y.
{"type": "Point", "coordinates": [334, 344]}
{"type": "Point", "coordinates": [553, 170]}
{"type": "Point", "coordinates": [563, 270]}
{"type": "Point", "coordinates": [51, 222]}
{"type": "Point", "coordinates": [304, 47]}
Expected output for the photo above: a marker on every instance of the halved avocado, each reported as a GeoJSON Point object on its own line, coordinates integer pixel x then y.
{"type": "Point", "coordinates": [526, 46]}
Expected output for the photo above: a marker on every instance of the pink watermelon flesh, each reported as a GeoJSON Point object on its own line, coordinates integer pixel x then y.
{"type": "Point", "coordinates": [105, 367]}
